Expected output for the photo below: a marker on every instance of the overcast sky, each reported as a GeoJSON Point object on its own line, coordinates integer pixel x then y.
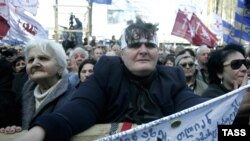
{"type": "Point", "coordinates": [157, 11]}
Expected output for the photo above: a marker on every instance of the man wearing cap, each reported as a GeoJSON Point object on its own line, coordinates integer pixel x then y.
{"type": "Point", "coordinates": [131, 88]}
{"type": "Point", "coordinates": [187, 63]}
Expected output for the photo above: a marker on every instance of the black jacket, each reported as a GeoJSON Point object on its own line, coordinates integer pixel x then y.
{"type": "Point", "coordinates": [104, 96]}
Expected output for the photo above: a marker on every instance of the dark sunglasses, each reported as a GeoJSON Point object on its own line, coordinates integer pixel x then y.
{"type": "Point", "coordinates": [184, 65]}
{"type": "Point", "coordinates": [138, 45]}
{"type": "Point", "coordinates": [236, 64]}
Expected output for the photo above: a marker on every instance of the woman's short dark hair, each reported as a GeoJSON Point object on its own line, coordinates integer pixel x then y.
{"type": "Point", "coordinates": [17, 60]}
{"type": "Point", "coordinates": [86, 61]}
{"type": "Point", "coordinates": [217, 58]}
{"type": "Point", "coordinates": [189, 50]}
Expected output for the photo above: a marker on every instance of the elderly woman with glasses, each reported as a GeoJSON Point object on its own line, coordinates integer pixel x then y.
{"type": "Point", "coordinates": [227, 68]}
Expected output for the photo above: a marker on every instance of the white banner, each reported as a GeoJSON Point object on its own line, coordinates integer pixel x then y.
{"type": "Point", "coordinates": [198, 123]}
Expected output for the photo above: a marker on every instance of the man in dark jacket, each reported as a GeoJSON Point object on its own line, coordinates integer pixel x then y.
{"type": "Point", "coordinates": [132, 88]}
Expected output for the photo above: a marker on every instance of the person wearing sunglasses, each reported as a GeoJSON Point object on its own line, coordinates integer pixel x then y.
{"type": "Point", "coordinates": [132, 88]}
{"type": "Point", "coordinates": [187, 63]}
{"type": "Point", "coordinates": [227, 68]}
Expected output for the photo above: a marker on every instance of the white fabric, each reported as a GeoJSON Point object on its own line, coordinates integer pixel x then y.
{"type": "Point", "coordinates": [22, 26]}
{"type": "Point", "coordinates": [26, 5]}
{"type": "Point", "coordinates": [196, 123]}
{"type": "Point", "coordinates": [40, 97]}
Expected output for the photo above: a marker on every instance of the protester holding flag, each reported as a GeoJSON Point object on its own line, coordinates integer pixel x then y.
{"type": "Point", "coordinates": [132, 88]}
{"type": "Point", "coordinates": [227, 68]}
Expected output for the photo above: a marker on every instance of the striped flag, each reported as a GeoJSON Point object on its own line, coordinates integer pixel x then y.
{"type": "Point", "coordinates": [228, 33]}
{"type": "Point", "coordinates": [198, 123]}
{"type": "Point", "coordinates": [242, 21]}
{"type": "Point", "coordinates": [240, 31]}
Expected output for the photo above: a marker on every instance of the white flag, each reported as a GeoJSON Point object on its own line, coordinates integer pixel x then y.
{"type": "Point", "coordinates": [24, 27]}
{"type": "Point", "coordinates": [26, 5]}
{"type": "Point", "coordinates": [4, 9]}
{"type": "Point", "coordinates": [196, 123]}
{"type": "Point", "coordinates": [216, 25]}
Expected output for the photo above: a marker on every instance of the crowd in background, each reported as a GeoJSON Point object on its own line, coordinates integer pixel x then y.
{"type": "Point", "coordinates": [200, 70]}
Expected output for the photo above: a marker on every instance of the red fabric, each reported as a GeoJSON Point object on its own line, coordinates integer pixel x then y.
{"type": "Point", "coordinates": [202, 35]}
{"type": "Point", "coordinates": [126, 126]}
{"type": "Point", "coordinates": [193, 30]}
{"type": "Point", "coordinates": [4, 27]}
{"type": "Point", "coordinates": [182, 26]}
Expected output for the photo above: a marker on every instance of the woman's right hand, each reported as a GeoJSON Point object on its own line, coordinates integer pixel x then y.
{"type": "Point", "coordinates": [11, 129]}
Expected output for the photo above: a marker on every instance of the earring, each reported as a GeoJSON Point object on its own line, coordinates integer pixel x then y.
{"type": "Point", "coordinates": [59, 73]}
{"type": "Point", "coordinates": [221, 81]}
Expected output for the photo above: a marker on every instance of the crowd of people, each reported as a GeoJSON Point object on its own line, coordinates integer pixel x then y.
{"type": "Point", "coordinates": [64, 91]}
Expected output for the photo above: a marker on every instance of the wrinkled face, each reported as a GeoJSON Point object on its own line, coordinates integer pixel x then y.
{"type": "Point", "coordinates": [20, 65]}
{"type": "Point", "coordinates": [42, 67]}
{"type": "Point", "coordinates": [79, 58]}
{"type": "Point", "coordinates": [86, 71]}
{"type": "Point", "coordinates": [187, 64]}
{"type": "Point", "coordinates": [140, 58]}
{"type": "Point", "coordinates": [231, 75]}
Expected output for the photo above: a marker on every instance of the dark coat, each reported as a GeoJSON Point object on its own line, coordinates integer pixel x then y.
{"type": "Point", "coordinates": [214, 90]}
{"type": "Point", "coordinates": [10, 110]}
{"type": "Point", "coordinates": [58, 97]}
{"type": "Point", "coordinates": [104, 96]}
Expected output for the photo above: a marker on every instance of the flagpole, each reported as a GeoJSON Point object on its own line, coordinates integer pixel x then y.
{"type": "Point", "coordinates": [90, 10]}
{"type": "Point", "coordinates": [56, 21]}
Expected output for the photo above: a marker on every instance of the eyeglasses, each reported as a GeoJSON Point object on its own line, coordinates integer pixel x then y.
{"type": "Point", "coordinates": [236, 64]}
{"type": "Point", "coordinates": [138, 45]}
{"type": "Point", "coordinates": [184, 65]}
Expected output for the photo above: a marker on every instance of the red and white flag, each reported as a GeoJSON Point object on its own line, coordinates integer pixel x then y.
{"type": "Point", "coordinates": [202, 35]}
{"type": "Point", "coordinates": [193, 30]}
{"type": "Point", "coordinates": [4, 27]}
{"type": "Point", "coordinates": [182, 26]}
{"type": "Point", "coordinates": [22, 26]}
